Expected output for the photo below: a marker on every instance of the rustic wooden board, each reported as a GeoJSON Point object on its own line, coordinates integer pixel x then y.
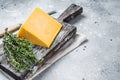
{"type": "Point", "coordinates": [65, 34]}
{"type": "Point", "coordinates": [72, 44]}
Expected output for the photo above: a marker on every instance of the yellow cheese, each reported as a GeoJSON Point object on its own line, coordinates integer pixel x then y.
{"type": "Point", "coordinates": [39, 28]}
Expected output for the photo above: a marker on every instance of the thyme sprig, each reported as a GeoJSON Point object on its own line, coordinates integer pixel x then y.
{"type": "Point", "coordinates": [18, 51]}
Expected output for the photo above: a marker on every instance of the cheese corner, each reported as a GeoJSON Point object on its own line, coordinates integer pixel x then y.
{"type": "Point", "coordinates": [39, 28]}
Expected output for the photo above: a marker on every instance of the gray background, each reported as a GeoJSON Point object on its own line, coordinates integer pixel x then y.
{"type": "Point", "coordinates": [98, 58]}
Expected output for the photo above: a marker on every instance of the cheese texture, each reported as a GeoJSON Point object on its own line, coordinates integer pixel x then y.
{"type": "Point", "coordinates": [39, 28]}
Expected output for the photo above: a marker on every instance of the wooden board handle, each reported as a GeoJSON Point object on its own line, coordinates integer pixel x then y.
{"type": "Point", "coordinates": [70, 13]}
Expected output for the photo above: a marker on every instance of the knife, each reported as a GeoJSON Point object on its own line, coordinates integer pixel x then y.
{"type": "Point", "coordinates": [17, 26]}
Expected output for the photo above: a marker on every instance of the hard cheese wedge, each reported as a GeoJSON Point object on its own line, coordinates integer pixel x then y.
{"type": "Point", "coordinates": [40, 28]}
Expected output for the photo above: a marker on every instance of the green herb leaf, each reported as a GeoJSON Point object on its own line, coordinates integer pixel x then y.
{"type": "Point", "coordinates": [19, 52]}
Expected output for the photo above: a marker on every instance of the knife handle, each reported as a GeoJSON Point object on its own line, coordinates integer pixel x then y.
{"type": "Point", "coordinates": [10, 29]}
{"type": "Point", "coordinates": [17, 26]}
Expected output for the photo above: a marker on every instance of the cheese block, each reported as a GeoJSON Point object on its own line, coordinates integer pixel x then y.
{"type": "Point", "coordinates": [39, 28]}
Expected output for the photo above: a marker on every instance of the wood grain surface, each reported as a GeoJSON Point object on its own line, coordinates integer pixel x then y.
{"type": "Point", "coordinates": [65, 34]}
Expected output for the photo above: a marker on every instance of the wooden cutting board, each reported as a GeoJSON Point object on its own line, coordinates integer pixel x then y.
{"type": "Point", "coordinates": [67, 32]}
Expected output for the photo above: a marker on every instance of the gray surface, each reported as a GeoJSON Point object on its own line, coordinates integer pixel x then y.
{"type": "Point", "coordinates": [100, 21]}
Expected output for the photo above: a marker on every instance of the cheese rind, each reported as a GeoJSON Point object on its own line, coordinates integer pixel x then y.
{"type": "Point", "coordinates": [40, 28]}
